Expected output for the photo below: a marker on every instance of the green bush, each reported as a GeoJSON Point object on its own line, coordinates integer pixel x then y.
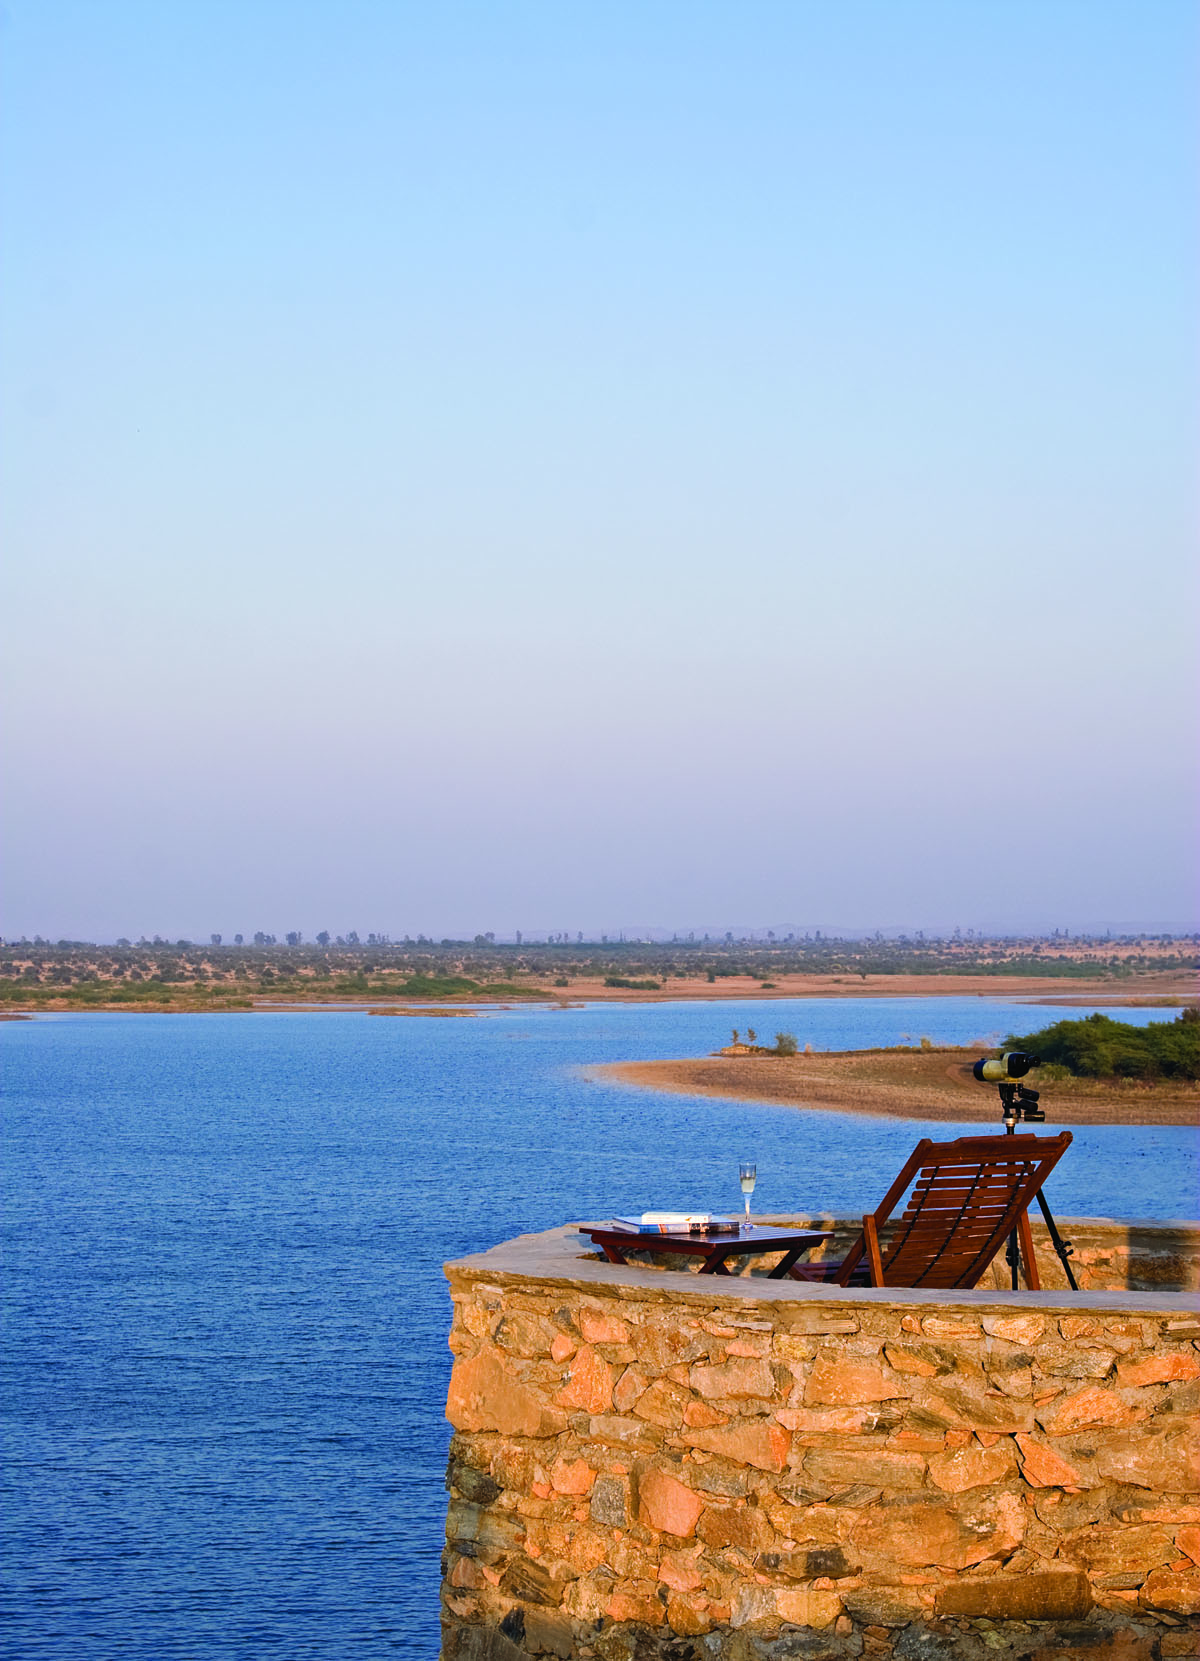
{"type": "Point", "coordinates": [440, 986]}
{"type": "Point", "coordinates": [633, 985]}
{"type": "Point", "coordinates": [785, 1043]}
{"type": "Point", "coordinates": [1099, 1047]}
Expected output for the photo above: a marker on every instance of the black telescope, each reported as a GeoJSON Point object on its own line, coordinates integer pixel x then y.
{"type": "Point", "coordinates": [1013, 1064]}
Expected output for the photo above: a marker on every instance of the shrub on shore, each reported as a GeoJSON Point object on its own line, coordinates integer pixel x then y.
{"type": "Point", "coordinates": [1099, 1047]}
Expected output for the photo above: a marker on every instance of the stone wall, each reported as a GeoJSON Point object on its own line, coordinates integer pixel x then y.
{"type": "Point", "coordinates": [649, 1464]}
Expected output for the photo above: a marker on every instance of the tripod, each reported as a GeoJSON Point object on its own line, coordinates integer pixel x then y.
{"type": "Point", "coordinates": [1020, 1103]}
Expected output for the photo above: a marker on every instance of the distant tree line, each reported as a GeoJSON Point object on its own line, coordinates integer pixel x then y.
{"type": "Point", "coordinates": [347, 964]}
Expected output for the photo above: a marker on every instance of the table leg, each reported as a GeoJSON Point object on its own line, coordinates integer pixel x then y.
{"type": "Point", "coordinates": [786, 1264]}
{"type": "Point", "coordinates": [714, 1264]}
{"type": "Point", "coordinates": [612, 1254]}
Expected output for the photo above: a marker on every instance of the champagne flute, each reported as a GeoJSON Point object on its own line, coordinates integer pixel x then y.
{"type": "Point", "coordinates": [747, 1176]}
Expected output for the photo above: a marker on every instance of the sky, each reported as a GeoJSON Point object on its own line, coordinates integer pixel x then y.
{"type": "Point", "coordinates": [652, 464]}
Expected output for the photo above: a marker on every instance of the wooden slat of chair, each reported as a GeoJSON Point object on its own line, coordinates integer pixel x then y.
{"type": "Point", "coordinates": [967, 1197]}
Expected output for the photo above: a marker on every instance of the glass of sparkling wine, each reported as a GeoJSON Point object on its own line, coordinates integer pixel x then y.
{"type": "Point", "coordinates": [748, 1176]}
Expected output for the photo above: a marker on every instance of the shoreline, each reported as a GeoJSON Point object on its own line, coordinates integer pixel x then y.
{"type": "Point", "coordinates": [900, 1084]}
{"type": "Point", "coordinates": [1165, 990]}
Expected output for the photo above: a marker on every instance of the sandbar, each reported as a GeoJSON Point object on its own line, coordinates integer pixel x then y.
{"type": "Point", "coordinates": [904, 1084]}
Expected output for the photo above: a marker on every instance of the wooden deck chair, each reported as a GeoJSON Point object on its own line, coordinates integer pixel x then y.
{"type": "Point", "coordinates": [967, 1197]}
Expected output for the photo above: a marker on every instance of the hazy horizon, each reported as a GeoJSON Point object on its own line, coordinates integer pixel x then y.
{"type": "Point", "coordinates": [487, 468]}
{"type": "Point", "coordinates": [714, 933]}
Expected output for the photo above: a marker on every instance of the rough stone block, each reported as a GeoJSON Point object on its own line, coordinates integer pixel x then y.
{"type": "Point", "coordinates": [1054, 1596]}
{"type": "Point", "coordinates": [666, 1504]}
{"type": "Point", "coordinates": [817, 1563]}
{"type": "Point", "coordinates": [1089, 1407]}
{"type": "Point", "coordinates": [589, 1386]}
{"type": "Point", "coordinates": [950, 1326]}
{"type": "Point", "coordinates": [622, 1432]}
{"type": "Point", "coordinates": [482, 1533]}
{"type": "Point", "coordinates": [807, 1606]}
{"type": "Point", "coordinates": [884, 1606]}
{"type": "Point", "coordinates": [662, 1404]}
{"type": "Point", "coordinates": [474, 1485]}
{"type": "Point", "coordinates": [830, 1421]}
{"type": "Point", "coordinates": [743, 1526]}
{"type": "Point", "coordinates": [742, 1379]}
{"type": "Point", "coordinates": [1042, 1467]}
{"type": "Point", "coordinates": [1015, 1329]}
{"type": "Point", "coordinates": [968, 1404]}
{"type": "Point", "coordinates": [717, 1476]}
{"type": "Point", "coordinates": [1172, 1644]}
{"type": "Point", "coordinates": [1098, 1643]}
{"type": "Point", "coordinates": [598, 1328]}
{"type": "Point", "coordinates": [839, 1381]}
{"type": "Point", "coordinates": [531, 1582]}
{"type": "Point", "coordinates": [925, 1360]}
{"type": "Point", "coordinates": [628, 1388]}
{"type": "Point", "coordinates": [756, 1344]}
{"type": "Point", "coordinates": [880, 1469]}
{"type": "Point", "coordinates": [790, 1347]}
{"type": "Point", "coordinates": [968, 1467]}
{"type": "Point", "coordinates": [524, 1334]}
{"type": "Point", "coordinates": [1074, 1361]}
{"type": "Point", "coordinates": [701, 1416]}
{"type": "Point", "coordinates": [1157, 1369]}
{"type": "Point", "coordinates": [624, 1606]}
{"type": "Point", "coordinates": [469, 1642]}
{"type": "Point", "coordinates": [549, 1633]}
{"type": "Point", "coordinates": [1187, 1539]}
{"type": "Point", "coordinates": [753, 1605]}
{"type": "Point", "coordinates": [815, 1324]}
{"type": "Point", "coordinates": [757, 1442]}
{"type": "Point", "coordinates": [1174, 1593]}
{"type": "Point", "coordinates": [571, 1476]}
{"type": "Point", "coordinates": [1111, 1549]}
{"type": "Point", "coordinates": [485, 1395]}
{"type": "Point", "coordinates": [677, 1570]}
{"type": "Point", "coordinates": [665, 1343]}
{"type": "Point", "coordinates": [920, 1535]}
{"type": "Point", "coordinates": [611, 1501]}
{"type": "Point", "coordinates": [1165, 1462]}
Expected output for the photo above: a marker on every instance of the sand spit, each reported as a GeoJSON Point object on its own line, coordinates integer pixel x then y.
{"type": "Point", "coordinates": [446, 1014]}
{"type": "Point", "coordinates": [903, 1084]}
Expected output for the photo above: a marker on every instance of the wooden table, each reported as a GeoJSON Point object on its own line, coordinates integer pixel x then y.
{"type": "Point", "coordinates": [714, 1248]}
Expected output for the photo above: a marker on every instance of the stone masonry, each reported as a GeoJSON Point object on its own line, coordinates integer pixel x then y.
{"type": "Point", "coordinates": [647, 1464]}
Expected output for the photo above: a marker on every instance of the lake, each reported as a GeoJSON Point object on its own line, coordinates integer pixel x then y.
{"type": "Point", "coordinates": [226, 1336]}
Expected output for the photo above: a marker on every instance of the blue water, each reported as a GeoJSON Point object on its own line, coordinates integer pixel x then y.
{"type": "Point", "coordinates": [225, 1357]}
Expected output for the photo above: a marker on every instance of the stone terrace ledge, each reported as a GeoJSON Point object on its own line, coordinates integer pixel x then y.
{"type": "Point", "coordinates": [649, 1464]}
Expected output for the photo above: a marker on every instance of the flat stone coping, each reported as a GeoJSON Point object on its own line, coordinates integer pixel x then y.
{"type": "Point", "coordinates": [564, 1257]}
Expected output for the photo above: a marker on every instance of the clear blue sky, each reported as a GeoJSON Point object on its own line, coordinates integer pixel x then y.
{"type": "Point", "coordinates": [510, 465]}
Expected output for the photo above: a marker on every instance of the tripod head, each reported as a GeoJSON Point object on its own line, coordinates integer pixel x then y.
{"type": "Point", "coordinates": [1017, 1103]}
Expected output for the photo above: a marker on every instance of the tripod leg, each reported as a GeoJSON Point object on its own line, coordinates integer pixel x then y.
{"type": "Point", "coordinates": [1025, 1240]}
{"type": "Point", "coordinates": [1061, 1246]}
{"type": "Point", "coordinates": [1013, 1254]}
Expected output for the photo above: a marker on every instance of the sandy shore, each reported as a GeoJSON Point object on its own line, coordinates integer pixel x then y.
{"type": "Point", "coordinates": [904, 1084]}
{"type": "Point", "coordinates": [1145, 989]}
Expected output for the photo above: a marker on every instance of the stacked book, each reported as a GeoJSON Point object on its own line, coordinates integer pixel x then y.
{"type": "Point", "coordinates": [678, 1222]}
